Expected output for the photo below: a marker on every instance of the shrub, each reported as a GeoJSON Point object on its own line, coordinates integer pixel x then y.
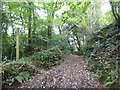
{"type": "Point", "coordinates": [48, 58]}
{"type": "Point", "coordinates": [16, 72]}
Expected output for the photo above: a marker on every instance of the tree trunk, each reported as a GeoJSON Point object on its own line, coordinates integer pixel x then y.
{"type": "Point", "coordinates": [34, 25]}
{"type": "Point", "coordinates": [50, 30]}
{"type": "Point", "coordinates": [29, 25]}
{"type": "Point", "coordinates": [78, 42]}
{"type": "Point", "coordinates": [60, 31]}
{"type": "Point", "coordinates": [116, 12]}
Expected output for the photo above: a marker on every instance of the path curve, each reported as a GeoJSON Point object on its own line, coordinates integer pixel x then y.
{"type": "Point", "coordinates": [69, 74]}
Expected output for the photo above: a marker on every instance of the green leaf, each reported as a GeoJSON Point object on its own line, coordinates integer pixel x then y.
{"type": "Point", "coordinates": [22, 76]}
{"type": "Point", "coordinates": [108, 83]}
{"type": "Point", "coordinates": [25, 75]}
{"type": "Point", "coordinates": [19, 78]}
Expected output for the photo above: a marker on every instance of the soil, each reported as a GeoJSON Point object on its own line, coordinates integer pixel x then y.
{"type": "Point", "coordinates": [71, 73]}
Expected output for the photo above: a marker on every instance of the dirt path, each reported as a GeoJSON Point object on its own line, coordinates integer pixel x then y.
{"type": "Point", "coordinates": [69, 74]}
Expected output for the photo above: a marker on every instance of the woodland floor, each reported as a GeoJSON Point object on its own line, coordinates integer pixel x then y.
{"type": "Point", "coordinates": [69, 74]}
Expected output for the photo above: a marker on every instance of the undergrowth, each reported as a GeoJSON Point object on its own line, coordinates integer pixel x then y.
{"type": "Point", "coordinates": [47, 58]}
{"type": "Point", "coordinates": [104, 56]}
{"type": "Point", "coordinates": [15, 72]}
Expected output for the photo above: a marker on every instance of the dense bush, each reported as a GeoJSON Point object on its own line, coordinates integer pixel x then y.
{"type": "Point", "coordinates": [47, 58]}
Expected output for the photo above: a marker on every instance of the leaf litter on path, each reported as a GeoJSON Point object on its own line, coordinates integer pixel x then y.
{"type": "Point", "coordinates": [69, 74]}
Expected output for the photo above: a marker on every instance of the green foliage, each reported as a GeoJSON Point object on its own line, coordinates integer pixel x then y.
{"type": "Point", "coordinates": [8, 45]}
{"type": "Point", "coordinates": [106, 20]}
{"type": "Point", "coordinates": [60, 42]}
{"type": "Point", "coordinates": [23, 76]}
{"type": "Point", "coordinates": [16, 71]}
{"type": "Point", "coordinates": [103, 54]}
{"type": "Point", "coordinates": [46, 59]}
{"type": "Point", "coordinates": [79, 32]}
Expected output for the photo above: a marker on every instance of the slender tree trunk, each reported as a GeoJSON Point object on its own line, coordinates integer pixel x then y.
{"type": "Point", "coordinates": [29, 25]}
{"type": "Point", "coordinates": [78, 42]}
{"type": "Point", "coordinates": [50, 26]}
{"type": "Point", "coordinates": [1, 44]}
{"type": "Point", "coordinates": [68, 38]}
{"type": "Point", "coordinates": [13, 48]}
{"type": "Point", "coordinates": [34, 24]}
{"type": "Point", "coordinates": [60, 31]}
{"type": "Point", "coordinates": [21, 17]}
{"type": "Point", "coordinates": [116, 12]}
{"type": "Point", "coordinates": [12, 24]}
{"type": "Point", "coordinates": [50, 30]}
